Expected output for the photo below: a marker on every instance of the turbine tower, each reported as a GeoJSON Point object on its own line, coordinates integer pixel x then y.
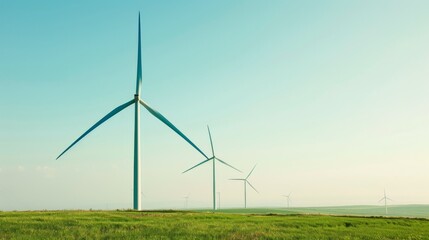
{"type": "Point", "coordinates": [288, 198]}
{"type": "Point", "coordinates": [136, 101]}
{"type": "Point", "coordinates": [218, 200]}
{"type": "Point", "coordinates": [213, 159]}
{"type": "Point", "coordinates": [385, 198]}
{"type": "Point", "coordinates": [245, 181]}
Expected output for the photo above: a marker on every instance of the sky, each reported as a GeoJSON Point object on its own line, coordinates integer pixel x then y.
{"type": "Point", "coordinates": [328, 98]}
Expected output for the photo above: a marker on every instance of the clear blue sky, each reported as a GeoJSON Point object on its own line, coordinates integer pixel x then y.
{"type": "Point", "coordinates": [330, 98]}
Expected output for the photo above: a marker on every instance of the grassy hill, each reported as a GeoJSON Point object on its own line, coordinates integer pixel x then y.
{"type": "Point", "coordinates": [202, 225]}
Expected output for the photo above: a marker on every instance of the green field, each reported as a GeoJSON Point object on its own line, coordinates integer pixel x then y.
{"type": "Point", "coordinates": [412, 211]}
{"type": "Point", "coordinates": [203, 225]}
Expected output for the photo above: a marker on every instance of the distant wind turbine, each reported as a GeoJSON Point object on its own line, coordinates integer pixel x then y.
{"type": "Point", "coordinates": [385, 198]}
{"type": "Point", "coordinates": [213, 159]}
{"type": "Point", "coordinates": [288, 198]}
{"type": "Point", "coordinates": [245, 181]}
{"type": "Point", "coordinates": [136, 101]}
{"type": "Point", "coordinates": [186, 200]}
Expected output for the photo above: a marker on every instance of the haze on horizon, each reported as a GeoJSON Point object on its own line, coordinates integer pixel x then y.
{"type": "Point", "coordinates": [329, 98]}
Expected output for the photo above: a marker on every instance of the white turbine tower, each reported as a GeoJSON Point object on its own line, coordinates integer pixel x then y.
{"type": "Point", "coordinates": [136, 101]}
{"type": "Point", "coordinates": [288, 198]}
{"type": "Point", "coordinates": [218, 200]}
{"type": "Point", "coordinates": [245, 181]}
{"type": "Point", "coordinates": [213, 159]}
{"type": "Point", "coordinates": [385, 198]}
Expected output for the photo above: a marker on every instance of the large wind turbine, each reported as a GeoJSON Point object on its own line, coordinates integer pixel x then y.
{"type": "Point", "coordinates": [245, 181]}
{"type": "Point", "coordinates": [213, 159]}
{"type": "Point", "coordinates": [136, 101]}
{"type": "Point", "coordinates": [385, 198]}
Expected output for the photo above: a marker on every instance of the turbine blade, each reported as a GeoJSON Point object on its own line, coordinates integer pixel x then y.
{"type": "Point", "coordinates": [139, 63]}
{"type": "Point", "coordinates": [170, 125]}
{"type": "Point", "coordinates": [227, 164]}
{"type": "Point", "coordinates": [252, 186]}
{"type": "Point", "coordinates": [211, 142]}
{"type": "Point", "coordinates": [241, 179]}
{"type": "Point", "coordinates": [389, 199]}
{"type": "Point", "coordinates": [198, 165]}
{"type": "Point", "coordinates": [105, 118]}
{"type": "Point", "coordinates": [251, 172]}
{"type": "Point", "coordinates": [381, 199]}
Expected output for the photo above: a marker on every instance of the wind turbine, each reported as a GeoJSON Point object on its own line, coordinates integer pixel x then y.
{"type": "Point", "coordinates": [385, 198]}
{"type": "Point", "coordinates": [245, 181]}
{"type": "Point", "coordinates": [213, 159]}
{"type": "Point", "coordinates": [288, 198]}
{"type": "Point", "coordinates": [186, 200]}
{"type": "Point", "coordinates": [136, 101]}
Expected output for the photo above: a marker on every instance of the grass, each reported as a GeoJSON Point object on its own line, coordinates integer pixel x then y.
{"type": "Point", "coordinates": [412, 211]}
{"type": "Point", "coordinates": [202, 225]}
